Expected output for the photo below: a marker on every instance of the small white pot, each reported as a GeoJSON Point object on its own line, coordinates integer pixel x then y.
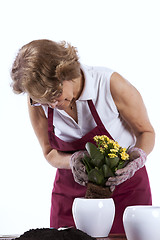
{"type": "Point", "coordinates": [142, 222]}
{"type": "Point", "coordinates": [94, 216]}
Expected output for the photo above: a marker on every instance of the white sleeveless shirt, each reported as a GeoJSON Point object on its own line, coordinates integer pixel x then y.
{"type": "Point", "coordinates": [97, 88]}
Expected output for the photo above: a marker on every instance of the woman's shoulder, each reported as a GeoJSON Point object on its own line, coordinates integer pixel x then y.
{"type": "Point", "coordinates": [97, 69]}
{"type": "Point", "coordinates": [99, 73]}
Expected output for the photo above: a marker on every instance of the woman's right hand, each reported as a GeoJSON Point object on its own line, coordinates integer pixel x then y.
{"type": "Point", "coordinates": [78, 168]}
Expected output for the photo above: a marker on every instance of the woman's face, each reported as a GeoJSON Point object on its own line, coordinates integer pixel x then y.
{"type": "Point", "coordinates": [61, 102]}
{"type": "Point", "coordinates": [66, 97]}
{"type": "Point", "coordinates": [71, 91]}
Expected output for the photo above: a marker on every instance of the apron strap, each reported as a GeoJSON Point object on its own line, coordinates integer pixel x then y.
{"type": "Point", "coordinates": [96, 117]}
{"type": "Point", "coordinates": [94, 113]}
{"type": "Point", "coordinates": [50, 119]}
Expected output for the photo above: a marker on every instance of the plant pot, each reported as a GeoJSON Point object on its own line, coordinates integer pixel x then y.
{"type": "Point", "coordinates": [142, 222]}
{"type": "Point", "coordinates": [94, 216]}
{"type": "Point", "coordinates": [95, 191]}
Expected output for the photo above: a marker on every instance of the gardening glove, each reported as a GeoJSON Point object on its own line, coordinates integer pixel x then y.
{"type": "Point", "coordinates": [137, 160]}
{"type": "Point", "coordinates": [78, 168]}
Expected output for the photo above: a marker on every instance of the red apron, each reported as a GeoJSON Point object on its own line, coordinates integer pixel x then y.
{"type": "Point", "coordinates": [135, 191]}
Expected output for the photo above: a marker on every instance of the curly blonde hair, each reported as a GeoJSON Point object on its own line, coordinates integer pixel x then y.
{"type": "Point", "coordinates": [41, 66]}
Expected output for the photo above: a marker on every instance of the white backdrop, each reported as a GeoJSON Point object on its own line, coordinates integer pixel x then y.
{"type": "Point", "coordinates": [120, 34]}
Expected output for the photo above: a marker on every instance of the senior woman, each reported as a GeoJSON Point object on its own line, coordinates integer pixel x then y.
{"type": "Point", "coordinates": [69, 103]}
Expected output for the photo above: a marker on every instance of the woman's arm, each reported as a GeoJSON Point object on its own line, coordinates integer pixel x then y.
{"type": "Point", "coordinates": [40, 125]}
{"type": "Point", "coordinates": [132, 109]}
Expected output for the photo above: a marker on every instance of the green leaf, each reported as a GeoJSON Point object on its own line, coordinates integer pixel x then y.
{"type": "Point", "coordinates": [107, 172]}
{"type": "Point", "coordinates": [128, 149]}
{"type": "Point", "coordinates": [97, 162]}
{"type": "Point", "coordinates": [87, 162]}
{"type": "Point", "coordinates": [96, 176]}
{"type": "Point", "coordinates": [97, 158]}
{"type": "Point", "coordinates": [122, 164]}
{"type": "Point", "coordinates": [114, 162]}
{"type": "Point", "coordinates": [107, 161]}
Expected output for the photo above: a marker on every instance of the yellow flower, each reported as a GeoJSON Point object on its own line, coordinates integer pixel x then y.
{"type": "Point", "coordinates": [110, 141]}
{"type": "Point", "coordinates": [116, 145]}
{"type": "Point", "coordinates": [123, 150]}
{"type": "Point", "coordinates": [124, 156]}
{"type": "Point", "coordinates": [113, 150]}
{"type": "Point", "coordinates": [112, 155]}
{"type": "Point", "coordinates": [105, 146]}
{"type": "Point", "coordinates": [103, 142]}
{"type": "Point", "coordinates": [102, 150]}
{"type": "Point", "coordinates": [96, 138]}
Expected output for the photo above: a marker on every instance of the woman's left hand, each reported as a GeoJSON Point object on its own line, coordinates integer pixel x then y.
{"type": "Point", "coordinates": [138, 158]}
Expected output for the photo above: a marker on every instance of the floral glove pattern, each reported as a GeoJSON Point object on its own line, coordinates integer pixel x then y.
{"type": "Point", "coordinates": [138, 158]}
{"type": "Point", "coordinates": [78, 168]}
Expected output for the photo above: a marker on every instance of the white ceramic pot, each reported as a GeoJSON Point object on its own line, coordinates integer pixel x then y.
{"type": "Point", "coordinates": [142, 222]}
{"type": "Point", "coordinates": [94, 216]}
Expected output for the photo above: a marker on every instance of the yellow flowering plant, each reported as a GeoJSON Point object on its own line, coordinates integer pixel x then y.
{"type": "Point", "coordinates": [104, 159]}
